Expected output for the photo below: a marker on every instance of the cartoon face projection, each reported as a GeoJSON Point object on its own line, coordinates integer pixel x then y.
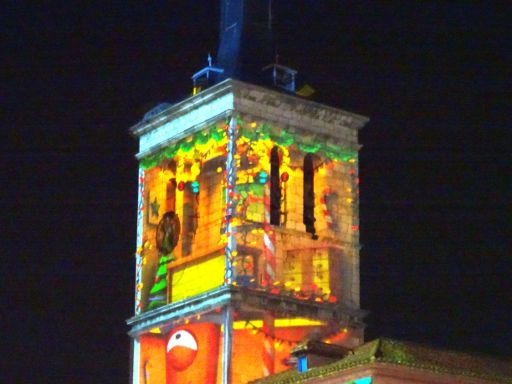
{"type": "Point", "coordinates": [181, 349]}
{"type": "Point", "coordinates": [192, 354]}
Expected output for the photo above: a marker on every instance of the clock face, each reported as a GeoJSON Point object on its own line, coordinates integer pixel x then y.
{"type": "Point", "coordinates": [168, 232]}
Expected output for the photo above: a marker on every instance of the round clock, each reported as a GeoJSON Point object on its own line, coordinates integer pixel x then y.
{"type": "Point", "coordinates": [168, 232]}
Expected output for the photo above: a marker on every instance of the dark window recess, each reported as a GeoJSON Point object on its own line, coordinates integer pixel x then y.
{"type": "Point", "coordinates": [170, 201]}
{"type": "Point", "coordinates": [190, 216]}
{"type": "Point", "coordinates": [275, 188]}
{"type": "Point", "coordinates": [309, 195]}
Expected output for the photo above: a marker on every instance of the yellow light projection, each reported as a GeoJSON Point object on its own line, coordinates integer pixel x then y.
{"type": "Point", "coordinates": [279, 323]}
{"type": "Point", "coordinates": [191, 280]}
{"type": "Point", "coordinates": [191, 350]}
{"type": "Point", "coordinates": [320, 263]}
{"type": "Point", "coordinates": [190, 180]}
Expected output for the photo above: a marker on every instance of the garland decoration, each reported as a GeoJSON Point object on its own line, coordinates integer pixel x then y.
{"type": "Point", "coordinates": [282, 137]}
{"type": "Point", "coordinates": [231, 200]}
{"type": "Point", "coordinates": [138, 253]}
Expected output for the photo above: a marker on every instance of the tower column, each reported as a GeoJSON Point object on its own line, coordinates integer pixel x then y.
{"type": "Point", "coordinates": [230, 229]}
{"type": "Point", "coordinates": [227, 346]}
{"type": "Point", "coordinates": [229, 276]}
{"type": "Point", "coordinates": [223, 153]}
{"type": "Point", "coordinates": [140, 245]}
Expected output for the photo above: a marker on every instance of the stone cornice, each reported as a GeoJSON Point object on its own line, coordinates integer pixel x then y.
{"type": "Point", "coordinates": [233, 96]}
{"type": "Point", "coordinates": [181, 108]}
{"type": "Point", "coordinates": [255, 299]}
{"type": "Point", "coordinates": [286, 107]}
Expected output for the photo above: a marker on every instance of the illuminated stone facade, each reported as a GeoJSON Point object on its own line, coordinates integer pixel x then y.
{"type": "Point", "coordinates": [247, 236]}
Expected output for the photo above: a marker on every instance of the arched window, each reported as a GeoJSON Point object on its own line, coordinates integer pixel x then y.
{"type": "Point", "coordinates": [309, 195]}
{"type": "Point", "coordinates": [275, 188]}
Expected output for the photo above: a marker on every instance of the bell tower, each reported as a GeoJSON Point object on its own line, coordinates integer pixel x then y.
{"type": "Point", "coordinates": [247, 225]}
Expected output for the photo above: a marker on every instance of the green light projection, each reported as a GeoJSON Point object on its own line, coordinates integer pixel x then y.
{"type": "Point", "coordinates": [282, 137]}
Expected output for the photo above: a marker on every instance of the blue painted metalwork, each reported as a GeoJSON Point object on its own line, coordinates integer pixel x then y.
{"type": "Point", "coordinates": [246, 43]}
{"type": "Point", "coordinates": [302, 364]}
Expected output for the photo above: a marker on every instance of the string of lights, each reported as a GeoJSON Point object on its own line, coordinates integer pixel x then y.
{"type": "Point", "coordinates": [139, 242]}
{"type": "Point", "coordinates": [253, 133]}
{"type": "Point", "coordinates": [246, 148]}
{"type": "Point", "coordinates": [231, 200]}
{"type": "Point", "coordinates": [326, 335]}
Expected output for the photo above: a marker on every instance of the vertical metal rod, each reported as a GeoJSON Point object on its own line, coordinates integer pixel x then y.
{"type": "Point", "coordinates": [227, 345]}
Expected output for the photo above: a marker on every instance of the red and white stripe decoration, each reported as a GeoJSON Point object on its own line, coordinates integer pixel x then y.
{"type": "Point", "coordinates": [269, 249]}
{"type": "Point", "coordinates": [269, 253]}
{"type": "Point", "coordinates": [268, 344]}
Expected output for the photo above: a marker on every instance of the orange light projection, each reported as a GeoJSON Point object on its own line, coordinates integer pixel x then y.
{"type": "Point", "coordinates": [191, 354]}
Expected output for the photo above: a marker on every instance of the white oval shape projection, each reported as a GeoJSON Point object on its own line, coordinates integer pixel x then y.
{"type": "Point", "coordinates": [182, 338]}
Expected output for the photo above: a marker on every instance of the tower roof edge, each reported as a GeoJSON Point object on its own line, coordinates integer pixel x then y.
{"type": "Point", "coordinates": [243, 90]}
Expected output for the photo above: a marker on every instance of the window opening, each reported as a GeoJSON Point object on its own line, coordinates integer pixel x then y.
{"type": "Point", "coordinates": [190, 216]}
{"type": "Point", "coordinates": [170, 200]}
{"type": "Point", "coordinates": [275, 188]}
{"type": "Point", "coordinates": [309, 196]}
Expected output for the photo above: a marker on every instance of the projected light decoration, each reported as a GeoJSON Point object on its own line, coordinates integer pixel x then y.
{"type": "Point", "coordinates": [202, 142]}
{"type": "Point", "coordinates": [167, 235]}
{"type": "Point", "coordinates": [192, 353]}
{"type": "Point", "coordinates": [181, 349]}
{"type": "Point", "coordinates": [138, 253]}
{"type": "Point", "coordinates": [250, 156]}
{"type": "Point", "coordinates": [194, 186]}
{"type": "Point", "coordinates": [262, 177]}
{"type": "Point", "coordinates": [208, 198]}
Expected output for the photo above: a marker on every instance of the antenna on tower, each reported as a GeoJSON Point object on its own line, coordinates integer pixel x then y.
{"type": "Point", "coordinates": [205, 77]}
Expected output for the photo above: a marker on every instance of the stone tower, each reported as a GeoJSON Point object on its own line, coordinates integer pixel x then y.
{"type": "Point", "coordinates": [248, 226]}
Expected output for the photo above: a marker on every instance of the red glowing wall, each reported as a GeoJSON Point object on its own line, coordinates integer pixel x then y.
{"type": "Point", "coordinates": [152, 359]}
{"type": "Point", "coordinates": [192, 354]}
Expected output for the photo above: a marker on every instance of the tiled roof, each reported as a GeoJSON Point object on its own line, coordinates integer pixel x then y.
{"type": "Point", "coordinates": [408, 355]}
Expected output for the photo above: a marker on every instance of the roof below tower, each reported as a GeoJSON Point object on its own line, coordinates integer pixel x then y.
{"type": "Point", "coordinates": [385, 352]}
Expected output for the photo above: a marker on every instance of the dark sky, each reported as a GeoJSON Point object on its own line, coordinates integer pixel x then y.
{"type": "Point", "coordinates": [435, 166]}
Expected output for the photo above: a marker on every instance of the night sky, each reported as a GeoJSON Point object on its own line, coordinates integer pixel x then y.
{"type": "Point", "coordinates": [435, 164]}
